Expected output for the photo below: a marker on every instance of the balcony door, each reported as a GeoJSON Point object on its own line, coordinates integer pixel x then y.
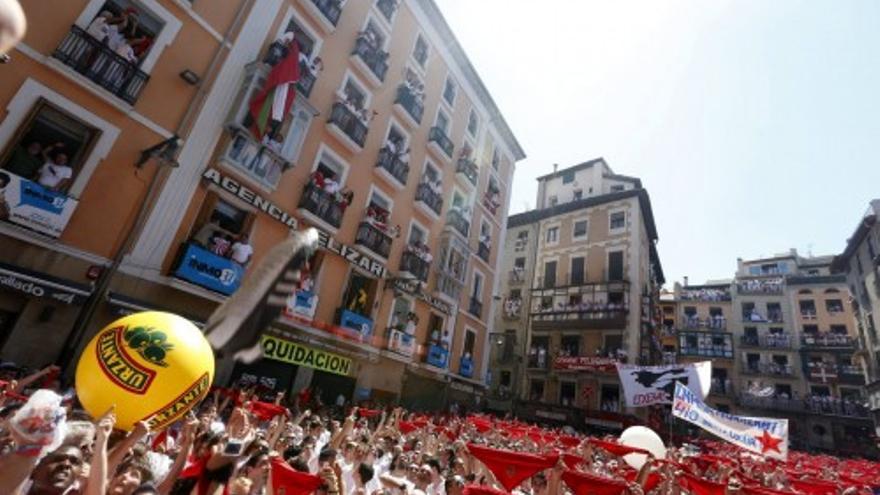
{"type": "Point", "coordinates": [615, 265]}
{"type": "Point", "coordinates": [550, 274]}
{"type": "Point", "coordinates": [577, 271]}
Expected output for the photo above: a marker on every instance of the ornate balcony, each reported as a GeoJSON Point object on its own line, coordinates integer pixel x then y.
{"type": "Point", "coordinates": [322, 205]}
{"type": "Point", "coordinates": [710, 322]}
{"type": "Point", "coordinates": [438, 138]}
{"type": "Point", "coordinates": [437, 356]}
{"type": "Point", "coordinates": [466, 367]}
{"type": "Point", "coordinates": [375, 60]}
{"type": "Point", "coordinates": [101, 65]}
{"type": "Point", "coordinates": [414, 266]}
{"type": "Point", "coordinates": [595, 318]}
{"type": "Point", "coordinates": [712, 344]}
{"type": "Point", "coordinates": [456, 220]}
{"type": "Point", "coordinates": [475, 307]}
{"type": "Point", "coordinates": [395, 168]}
{"type": "Point", "coordinates": [374, 239]}
{"type": "Point", "coordinates": [769, 369]}
{"type": "Point", "coordinates": [354, 131]}
{"type": "Point", "coordinates": [827, 341]}
{"type": "Point", "coordinates": [254, 158]}
{"type": "Point", "coordinates": [432, 200]}
{"type": "Point", "coordinates": [413, 106]}
{"type": "Point", "coordinates": [772, 341]}
{"type": "Point", "coordinates": [809, 405]}
{"type": "Point", "coordinates": [467, 169]}
{"type": "Point", "coordinates": [772, 286]}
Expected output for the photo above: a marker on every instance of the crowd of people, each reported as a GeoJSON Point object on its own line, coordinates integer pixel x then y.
{"type": "Point", "coordinates": [120, 34]}
{"type": "Point", "coordinates": [220, 242]}
{"type": "Point", "coordinates": [705, 294]}
{"type": "Point", "coordinates": [256, 441]}
{"type": "Point", "coordinates": [580, 310]}
{"type": "Point", "coordinates": [327, 183]}
{"type": "Point", "coordinates": [827, 339]}
{"type": "Point", "coordinates": [816, 403]}
{"type": "Point", "coordinates": [761, 286]}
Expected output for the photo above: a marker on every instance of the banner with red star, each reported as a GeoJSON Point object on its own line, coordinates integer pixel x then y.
{"type": "Point", "coordinates": [764, 436]}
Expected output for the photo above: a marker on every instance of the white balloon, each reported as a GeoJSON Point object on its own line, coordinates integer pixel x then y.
{"type": "Point", "coordinates": [643, 438]}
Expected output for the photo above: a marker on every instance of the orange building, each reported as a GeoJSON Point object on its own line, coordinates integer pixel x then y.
{"type": "Point", "coordinates": [392, 148]}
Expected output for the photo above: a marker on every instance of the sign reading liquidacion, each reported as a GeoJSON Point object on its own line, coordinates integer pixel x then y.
{"type": "Point", "coordinates": [293, 353]}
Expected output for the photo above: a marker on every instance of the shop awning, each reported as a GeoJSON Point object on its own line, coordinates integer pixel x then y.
{"type": "Point", "coordinates": [124, 305]}
{"type": "Point", "coordinates": [39, 284]}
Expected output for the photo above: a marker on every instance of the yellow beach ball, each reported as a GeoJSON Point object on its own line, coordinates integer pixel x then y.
{"type": "Point", "coordinates": [151, 366]}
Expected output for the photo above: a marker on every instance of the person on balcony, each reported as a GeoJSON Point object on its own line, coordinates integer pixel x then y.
{"type": "Point", "coordinates": [368, 37]}
{"type": "Point", "coordinates": [55, 172]}
{"type": "Point", "coordinates": [241, 251]}
{"type": "Point", "coordinates": [220, 244]}
{"type": "Point", "coordinates": [25, 162]}
{"type": "Point", "coordinates": [98, 27]}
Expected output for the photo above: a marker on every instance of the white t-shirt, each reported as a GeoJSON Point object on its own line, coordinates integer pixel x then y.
{"type": "Point", "coordinates": [241, 252]}
{"type": "Point", "coordinates": [51, 174]}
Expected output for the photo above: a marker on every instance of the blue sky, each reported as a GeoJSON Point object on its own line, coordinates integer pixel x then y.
{"type": "Point", "coordinates": [754, 125]}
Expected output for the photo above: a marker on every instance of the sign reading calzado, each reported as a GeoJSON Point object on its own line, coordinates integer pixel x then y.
{"type": "Point", "coordinates": [232, 186]}
{"type": "Point", "coordinates": [293, 353]}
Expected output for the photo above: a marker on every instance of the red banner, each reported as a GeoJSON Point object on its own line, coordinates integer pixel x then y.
{"type": "Point", "coordinates": [584, 363]}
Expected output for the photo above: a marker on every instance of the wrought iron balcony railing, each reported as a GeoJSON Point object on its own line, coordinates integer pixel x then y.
{"type": "Point", "coordinates": [349, 123]}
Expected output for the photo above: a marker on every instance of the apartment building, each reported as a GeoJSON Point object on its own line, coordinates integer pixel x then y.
{"type": "Point", "coordinates": [580, 273]}
{"type": "Point", "coordinates": [392, 148]}
{"type": "Point", "coordinates": [860, 264]}
{"type": "Point", "coordinates": [798, 356]}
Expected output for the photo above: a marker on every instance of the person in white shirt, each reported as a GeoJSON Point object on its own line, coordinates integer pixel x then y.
{"type": "Point", "coordinates": [241, 251]}
{"type": "Point", "coordinates": [55, 173]}
{"type": "Point", "coordinates": [98, 27]}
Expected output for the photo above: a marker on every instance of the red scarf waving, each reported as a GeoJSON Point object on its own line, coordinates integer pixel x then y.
{"type": "Point", "coordinates": [590, 484]}
{"type": "Point", "coordinates": [616, 448]}
{"type": "Point", "coordinates": [700, 486]}
{"type": "Point", "coordinates": [289, 481]}
{"type": "Point", "coordinates": [512, 468]}
{"type": "Point", "coordinates": [814, 487]}
{"type": "Point", "coordinates": [265, 411]}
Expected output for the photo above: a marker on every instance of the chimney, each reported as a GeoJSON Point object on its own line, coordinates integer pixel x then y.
{"type": "Point", "coordinates": [555, 167]}
{"type": "Point", "coordinates": [685, 280]}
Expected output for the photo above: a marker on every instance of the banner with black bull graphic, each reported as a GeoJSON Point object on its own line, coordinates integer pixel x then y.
{"type": "Point", "coordinates": [648, 385]}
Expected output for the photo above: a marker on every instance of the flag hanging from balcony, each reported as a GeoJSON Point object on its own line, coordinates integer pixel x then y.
{"type": "Point", "coordinates": [765, 436]}
{"type": "Point", "coordinates": [648, 385]}
{"type": "Point", "coordinates": [276, 97]}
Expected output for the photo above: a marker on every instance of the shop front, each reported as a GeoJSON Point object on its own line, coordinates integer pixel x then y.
{"type": "Point", "coordinates": [34, 300]}
{"type": "Point", "coordinates": [423, 390]}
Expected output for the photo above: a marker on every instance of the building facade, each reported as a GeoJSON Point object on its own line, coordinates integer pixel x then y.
{"type": "Point", "coordinates": [781, 339]}
{"type": "Point", "coordinates": [392, 148]}
{"type": "Point", "coordinates": [860, 263]}
{"type": "Point", "coordinates": [581, 272]}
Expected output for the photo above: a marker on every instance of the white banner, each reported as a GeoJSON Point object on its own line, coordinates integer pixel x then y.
{"type": "Point", "coordinates": [648, 385]}
{"type": "Point", "coordinates": [765, 436]}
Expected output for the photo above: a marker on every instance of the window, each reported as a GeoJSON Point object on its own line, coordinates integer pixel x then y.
{"type": "Point", "coordinates": [417, 234]}
{"type": "Point", "coordinates": [811, 329]}
{"type": "Point", "coordinates": [496, 158]}
{"type": "Point", "coordinates": [442, 122]}
{"type": "Point", "coordinates": [477, 289]}
{"type": "Point", "coordinates": [617, 188]}
{"type": "Point", "coordinates": [552, 200]}
{"type": "Point", "coordinates": [617, 220]}
{"type": "Point", "coordinates": [552, 236]}
{"type": "Point", "coordinates": [50, 147]}
{"type": "Point", "coordinates": [834, 305]}
{"type": "Point", "coordinates": [218, 224]}
{"type": "Point", "coordinates": [566, 393]}
{"type": "Point", "coordinates": [505, 379]}
{"type": "Point", "coordinates": [568, 176]}
{"type": "Point", "coordinates": [610, 398]}
{"type": "Point", "coordinates": [306, 41]}
{"type": "Point", "coordinates": [838, 329]}
{"type": "Point", "coordinates": [515, 293]}
{"type": "Point", "coordinates": [470, 340]}
{"type": "Point", "coordinates": [420, 51]}
{"type": "Point", "coordinates": [360, 294]}
{"type": "Point", "coordinates": [473, 123]}
{"type": "Point", "coordinates": [377, 33]}
{"type": "Point", "coordinates": [519, 262]}
{"type": "Point", "coordinates": [808, 308]}
{"type": "Point", "coordinates": [536, 390]}
{"type": "Point", "coordinates": [612, 343]}
{"type": "Point", "coordinates": [354, 93]}
{"type": "Point", "coordinates": [449, 91]}
{"type": "Point", "coordinates": [580, 229]}
{"type": "Point", "coordinates": [578, 194]}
